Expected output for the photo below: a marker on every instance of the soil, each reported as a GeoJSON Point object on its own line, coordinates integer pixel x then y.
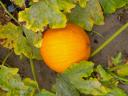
{"type": "Point", "coordinates": [46, 77]}
{"type": "Point", "coordinates": [112, 24]}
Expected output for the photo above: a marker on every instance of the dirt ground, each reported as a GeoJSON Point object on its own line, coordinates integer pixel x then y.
{"type": "Point", "coordinates": [46, 77]}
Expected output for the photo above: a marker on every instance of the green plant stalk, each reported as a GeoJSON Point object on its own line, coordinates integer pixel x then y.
{"type": "Point", "coordinates": [34, 73]}
{"type": "Point", "coordinates": [9, 13]}
{"type": "Point", "coordinates": [97, 33]}
{"type": "Point", "coordinates": [6, 57]}
{"type": "Point", "coordinates": [118, 32]}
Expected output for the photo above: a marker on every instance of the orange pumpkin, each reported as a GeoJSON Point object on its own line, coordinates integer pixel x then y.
{"type": "Point", "coordinates": [65, 46]}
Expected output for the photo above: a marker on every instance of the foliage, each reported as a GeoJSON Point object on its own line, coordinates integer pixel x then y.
{"type": "Point", "coordinates": [81, 77]}
{"type": "Point", "coordinates": [122, 67]}
{"type": "Point", "coordinates": [53, 13]}
{"type": "Point", "coordinates": [26, 38]}
{"type": "Point", "coordinates": [14, 38]}
{"type": "Point", "coordinates": [88, 16]}
{"type": "Point", "coordinates": [12, 85]}
{"type": "Point", "coordinates": [112, 5]}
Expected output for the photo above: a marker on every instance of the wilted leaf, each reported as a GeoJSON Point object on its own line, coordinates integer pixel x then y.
{"type": "Point", "coordinates": [3, 93]}
{"type": "Point", "coordinates": [88, 16]}
{"type": "Point", "coordinates": [14, 38]}
{"type": "Point", "coordinates": [41, 14]}
{"type": "Point", "coordinates": [9, 34]}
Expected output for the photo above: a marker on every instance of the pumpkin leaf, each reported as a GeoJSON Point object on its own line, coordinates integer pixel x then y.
{"type": "Point", "coordinates": [87, 17]}
{"type": "Point", "coordinates": [13, 37]}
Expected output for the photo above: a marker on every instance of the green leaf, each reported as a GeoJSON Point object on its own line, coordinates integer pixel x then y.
{"type": "Point", "coordinates": [88, 16]}
{"type": "Point", "coordinates": [79, 70]}
{"type": "Point", "coordinates": [45, 93]}
{"type": "Point", "coordinates": [120, 67]}
{"type": "Point", "coordinates": [65, 5]}
{"type": "Point", "coordinates": [13, 37]}
{"type": "Point", "coordinates": [42, 13]}
{"type": "Point", "coordinates": [123, 71]}
{"type": "Point", "coordinates": [22, 46]}
{"type": "Point", "coordinates": [82, 3]}
{"type": "Point", "coordinates": [8, 78]}
{"type": "Point", "coordinates": [90, 87]}
{"type": "Point", "coordinates": [35, 0]}
{"type": "Point", "coordinates": [30, 87]}
{"type": "Point", "coordinates": [33, 38]}
{"type": "Point", "coordinates": [64, 88]}
{"type": "Point", "coordinates": [112, 5]}
{"type": "Point", "coordinates": [78, 75]}
{"type": "Point", "coordinates": [116, 92]}
{"type": "Point", "coordinates": [104, 76]}
{"type": "Point", "coordinates": [19, 3]}
{"type": "Point", "coordinates": [29, 82]}
{"type": "Point", "coordinates": [26, 47]}
{"type": "Point", "coordinates": [11, 83]}
{"type": "Point", "coordinates": [117, 59]}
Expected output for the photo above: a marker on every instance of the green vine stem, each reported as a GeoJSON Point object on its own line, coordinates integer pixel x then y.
{"type": "Point", "coordinates": [6, 57]}
{"type": "Point", "coordinates": [34, 73]}
{"type": "Point", "coordinates": [118, 32]}
{"type": "Point", "coordinates": [9, 13]}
